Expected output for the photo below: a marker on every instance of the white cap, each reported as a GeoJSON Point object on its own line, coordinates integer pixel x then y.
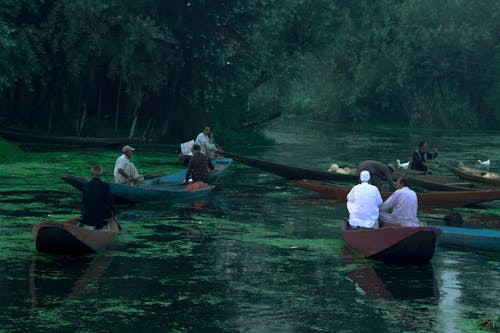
{"type": "Point", "coordinates": [364, 176]}
{"type": "Point", "coordinates": [127, 148]}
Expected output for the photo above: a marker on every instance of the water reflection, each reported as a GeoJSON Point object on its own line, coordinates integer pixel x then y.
{"type": "Point", "coordinates": [391, 282]}
{"type": "Point", "coordinates": [55, 280]}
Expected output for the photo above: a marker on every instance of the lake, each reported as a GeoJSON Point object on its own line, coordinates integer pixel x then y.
{"type": "Point", "coordinates": [258, 255]}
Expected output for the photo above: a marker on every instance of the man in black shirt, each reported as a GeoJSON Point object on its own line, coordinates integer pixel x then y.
{"type": "Point", "coordinates": [420, 158]}
{"type": "Point", "coordinates": [198, 167]}
{"type": "Point", "coordinates": [97, 200]}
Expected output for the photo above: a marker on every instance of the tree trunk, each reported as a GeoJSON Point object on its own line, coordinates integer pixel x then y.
{"type": "Point", "coordinates": [117, 111]}
{"type": "Point", "coordinates": [99, 98]}
{"type": "Point", "coordinates": [134, 123]}
{"type": "Point", "coordinates": [84, 115]}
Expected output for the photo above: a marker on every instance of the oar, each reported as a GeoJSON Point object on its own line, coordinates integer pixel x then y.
{"type": "Point", "coordinates": [118, 223]}
{"type": "Point", "coordinates": [154, 173]}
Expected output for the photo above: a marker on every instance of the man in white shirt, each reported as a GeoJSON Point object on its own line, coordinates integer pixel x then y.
{"type": "Point", "coordinates": [125, 171]}
{"type": "Point", "coordinates": [404, 206]}
{"type": "Point", "coordinates": [363, 203]}
{"type": "Point", "coordinates": [205, 141]}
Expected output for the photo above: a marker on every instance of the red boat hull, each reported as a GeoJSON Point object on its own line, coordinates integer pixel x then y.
{"type": "Point", "coordinates": [441, 199]}
{"type": "Point", "coordinates": [393, 243]}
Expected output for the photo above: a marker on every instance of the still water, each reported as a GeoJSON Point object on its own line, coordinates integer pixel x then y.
{"type": "Point", "coordinates": [259, 255]}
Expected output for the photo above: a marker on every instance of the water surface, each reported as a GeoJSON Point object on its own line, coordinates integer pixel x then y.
{"type": "Point", "coordinates": [259, 255]}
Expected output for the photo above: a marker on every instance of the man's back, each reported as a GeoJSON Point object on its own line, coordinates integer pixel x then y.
{"type": "Point", "coordinates": [97, 202]}
{"type": "Point", "coordinates": [404, 205]}
{"type": "Point", "coordinates": [198, 167]}
{"type": "Point", "coordinates": [363, 203]}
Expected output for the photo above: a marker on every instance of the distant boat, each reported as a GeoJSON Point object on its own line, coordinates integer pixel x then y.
{"type": "Point", "coordinates": [481, 239]}
{"type": "Point", "coordinates": [18, 135]}
{"type": "Point", "coordinates": [393, 243]}
{"type": "Point", "coordinates": [165, 188]}
{"type": "Point", "coordinates": [290, 172]}
{"type": "Point", "coordinates": [441, 199]}
{"type": "Point", "coordinates": [70, 237]}
{"type": "Point", "coordinates": [473, 174]}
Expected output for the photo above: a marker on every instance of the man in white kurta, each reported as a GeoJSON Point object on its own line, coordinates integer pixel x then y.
{"type": "Point", "coordinates": [363, 203]}
{"type": "Point", "coordinates": [205, 142]}
{"type": "Point", "coordinates": [404, 206]}
{"type": "Point", "coordinates": [125, 171]}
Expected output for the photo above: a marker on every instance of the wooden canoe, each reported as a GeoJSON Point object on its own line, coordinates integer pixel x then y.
{"type": "Point", "coordinates": [441, 199]}
{"type": "Point", "coordinates": [480, 239]}
{"type": "Point", "coordinates": [393, 243]}
{"type": "Point", "coordinates": [434, 183]}
{"type": "Point", "coordinates": [164, 188]}
{"type": "Point", "coordinates": [70, 238]}
{"type": "Point", "coordinates": [473, 175]}
{"type": "Point", "coordinates": [288, 171]}
{"type": "Point", "coordinates": [28, 136]}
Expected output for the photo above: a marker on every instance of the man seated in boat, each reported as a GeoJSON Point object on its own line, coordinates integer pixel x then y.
{"type": "Point", "coordinates": [378, 172]}
{"type": "Point", "coordinates": [401, 207]}
{"type": "Point", "coordinates": [421, 158]}
{"type": "Point", "coordinates": [207, 143]}
{"type": "Point", "coordinates": [97, 201]}
{"type": "Point", "coordinates": [363, 203]}
{"type": "Point", "coordinates": [125, 171]}
{"type": "Point", "coordinates": [344, 170]}
{"type": "Point", "coordinates": [199, 166]}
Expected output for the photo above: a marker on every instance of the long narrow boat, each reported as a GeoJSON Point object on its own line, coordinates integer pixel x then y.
{"type": "Point", "coordinates": [435, 183]}
{"type": "Point", "coordinates": [165, 188]}
{"type": "Point", "coordinates": [481, 239]}
{"type": "Point", "coordinates": [290, 172]}
{"type": "Point", "coordinates": [28, 136]}
{"type": "Point", "coordinates": [443, 199]}
{"type": "Point", "coordinates": [70, 237]}
{"type": "Point", "coordinates": [474, 174]}
{"type": "Point", "coordinates": [393, 243]}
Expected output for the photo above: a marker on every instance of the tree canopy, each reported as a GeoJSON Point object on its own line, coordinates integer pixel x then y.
{"type": "Point", "coordinates": [163, 68]}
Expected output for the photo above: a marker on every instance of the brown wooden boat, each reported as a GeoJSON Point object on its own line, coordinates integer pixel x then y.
{"type": "Point", "coordinates": [434, 183]}
{"type": "Point", "coordinates": [393, 243]}
{"type": "Point", "coordinates": [70, 237]}
{"type": "Point", "coordinates": [473, 174]}
{"type": "Point", "coordinates": [290, 172]}
{"type": "Point", "coordinates": [28, 136]}
{"type": "Point", "coordinates": [442, 199]}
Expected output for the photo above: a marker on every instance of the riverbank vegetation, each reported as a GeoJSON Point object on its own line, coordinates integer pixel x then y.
{"type": "Point", "coordinates": [161, 69]}
{"type": "Point", "coordinates": [11, 153]}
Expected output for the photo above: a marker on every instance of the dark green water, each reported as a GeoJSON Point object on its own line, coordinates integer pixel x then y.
{"type": "Point", "coordinates": [259, 255]}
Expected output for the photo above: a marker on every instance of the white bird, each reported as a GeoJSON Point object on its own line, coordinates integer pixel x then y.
{"type": "Point", "coordinates": [484, 163]}
{"type": "Point", "coordinates": [403, 165]}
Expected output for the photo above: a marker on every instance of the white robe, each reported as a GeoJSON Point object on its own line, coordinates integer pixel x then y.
{"type": "Point", "coordinates": [404, 205]}
{"type": "Point", "coordinates": [124, 163]}
{"type": "Point", "coordinates": [205, 143]}
{"type": "Point", "coordinates": [363, 203]}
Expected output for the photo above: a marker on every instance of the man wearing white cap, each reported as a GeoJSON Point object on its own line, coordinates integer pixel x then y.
{"type": "Point", "coordinates": [125, 171]}
{"type": "Point", "coordinates": [363, 203]}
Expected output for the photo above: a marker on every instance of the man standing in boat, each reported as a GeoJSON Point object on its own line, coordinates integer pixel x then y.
{"type": "Point", "coordinates": [378, 172]}
{"type": "Point", "coordinates": [206, 141]}
{"type": "Point", "coordinates": [199, 166]}
{"type": "Point", "coordinates": [421, 158]}
{"type": "Point", "coordinates": [125, 171]}
{"type": "Point", "coordinates": [363, 203]}
{"type": "Point", "coordinates": [404, 205]}
{"type": "Point", "coordinates": [97, 201]}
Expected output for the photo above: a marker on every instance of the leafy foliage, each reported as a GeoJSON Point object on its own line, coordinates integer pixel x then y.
{"type": "Point", "coordinates": [167, 67]}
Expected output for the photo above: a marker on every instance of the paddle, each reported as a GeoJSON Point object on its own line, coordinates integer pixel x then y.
{"type": "Point", "coordinates": [118, 223]}
{"type": "Point", "coordinates": [154, 173]}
